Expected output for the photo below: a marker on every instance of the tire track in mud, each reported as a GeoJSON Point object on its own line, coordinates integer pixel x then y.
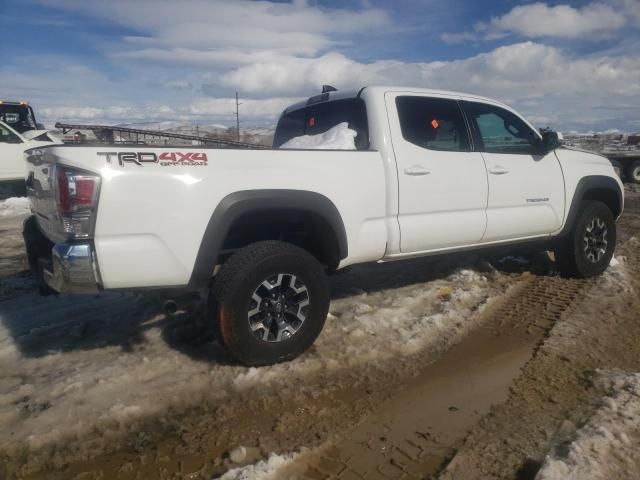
{"type": "Point", "coordinates": [414, 434]}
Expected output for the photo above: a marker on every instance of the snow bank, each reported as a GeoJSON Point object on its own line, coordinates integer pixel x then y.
{"type": "Point", "coordinates": [340, 137]}
{"type": "Point", "coordinates": [607, 446]}
{"type": "Point", "coordinates": [14, 206]}
{"type": "Point", "coordinates": [263, 470]}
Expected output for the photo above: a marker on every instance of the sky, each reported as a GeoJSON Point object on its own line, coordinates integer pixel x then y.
{"type": "Point", "coordinates": [570, 65]}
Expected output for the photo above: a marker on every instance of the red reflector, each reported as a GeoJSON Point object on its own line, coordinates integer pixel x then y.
{"type": "Point", "coordinates": [84, 191]}
{"type": "Point", "coordinates": [434, 123]}
{"type": "Point", "coordinates": [312, 121]}
{"type": "Point", "coordinates": [63, 193]}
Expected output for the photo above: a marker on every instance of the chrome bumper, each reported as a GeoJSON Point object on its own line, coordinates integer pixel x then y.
{"type": "Point", "coordinates": [71, 269]}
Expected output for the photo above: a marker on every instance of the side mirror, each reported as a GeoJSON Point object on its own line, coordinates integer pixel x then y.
{"type": "Point", "coordinates": [550, 140]}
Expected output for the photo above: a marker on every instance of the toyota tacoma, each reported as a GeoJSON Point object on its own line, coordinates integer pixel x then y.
{"type": "Point", "coordinates": [430, 172]}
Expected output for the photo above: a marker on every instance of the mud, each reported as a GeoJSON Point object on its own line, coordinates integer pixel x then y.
{"type": "Point", "coordinates": [415, 433]}
{"type": "Point", "coordinates": [492, 406]}
{"type": "Point", "coordinates": [555, 392]}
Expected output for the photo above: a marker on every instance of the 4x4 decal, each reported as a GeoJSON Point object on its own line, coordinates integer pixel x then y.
{"type": "Point", "coordinates": [165, 159]}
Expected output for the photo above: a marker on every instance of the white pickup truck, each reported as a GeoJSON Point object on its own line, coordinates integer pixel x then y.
{"type": "Point", "coordinates": [432, 172]}
{"type": "Point", "coordinates": [13, 146]}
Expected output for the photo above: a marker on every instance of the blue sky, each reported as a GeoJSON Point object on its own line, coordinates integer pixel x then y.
{"type": "Point", "coordinates": [570, 65]}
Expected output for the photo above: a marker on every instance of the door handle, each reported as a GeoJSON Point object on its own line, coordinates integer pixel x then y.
{"type": "Point", "coordinates": [498, 170]}
{"type": "Point", "coordinates": [416, 171]}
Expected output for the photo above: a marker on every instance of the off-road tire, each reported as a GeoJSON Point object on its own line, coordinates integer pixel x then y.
{"type": "Point", "coordinates": [571, 256]}
{"type": "Point", "coordinates": [231, 299]}
{"type": "Point", "coordinates": [633, 174]}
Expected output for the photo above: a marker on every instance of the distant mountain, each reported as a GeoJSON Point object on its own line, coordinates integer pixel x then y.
{"type": "Point", "coordinates": [261, 135]}
{"type": "Point", "coordinates": [175, 126]}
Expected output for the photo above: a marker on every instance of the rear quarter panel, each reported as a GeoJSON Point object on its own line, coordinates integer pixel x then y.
{"type": "Point", "coordinates": [151, 218]}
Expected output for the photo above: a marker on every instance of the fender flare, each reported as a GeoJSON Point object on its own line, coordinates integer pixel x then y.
{"type": "Point", "coordinates": [239, 203]}
{"type": "Point", "coordinates": [585, 184]}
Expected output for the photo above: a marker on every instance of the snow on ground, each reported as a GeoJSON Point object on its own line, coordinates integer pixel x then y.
{"type": "Point", "coordinates": [340, 137]}
{"type": "Point", "coordinates": [269, 469]}
{"type": "Point", "coordinates": [14, 206]}
{"type": "Point", "coordinates": [98, 363]}
{"type": "Point", "coordinates": [607, 446]}
{"type": "Point", "coordinates": [93, 366]}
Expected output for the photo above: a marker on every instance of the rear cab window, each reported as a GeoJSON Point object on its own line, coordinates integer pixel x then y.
{"type": "Point", "coordinates": [433, 123]}
{"type": "Point", "coordinates": [319, 116]}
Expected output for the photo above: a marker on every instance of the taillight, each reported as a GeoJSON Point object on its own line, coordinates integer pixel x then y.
{"type": "Point", "coordinates": [63, 195]}
{"type": "Point", "coordinates": [76, 198]}
{"type": "Point", "coordinates": [85, 190]}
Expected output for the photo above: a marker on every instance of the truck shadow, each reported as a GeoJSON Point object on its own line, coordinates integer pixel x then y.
{"type": "Point", "coordinates": [39, 326]}
{"type": "Point", "coordinates": [374, 277]}
{"type": "Point", "coordinates": [12, 188]}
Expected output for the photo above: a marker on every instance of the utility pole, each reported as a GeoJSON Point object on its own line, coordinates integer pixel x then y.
{"type": "Point", "coordinates": [237, 118]}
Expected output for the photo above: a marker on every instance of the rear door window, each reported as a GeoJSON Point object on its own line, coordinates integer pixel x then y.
{"type": "Point", "coordinates": [7, 136]}
{"type": "Point", "coordinates": [433, 123]}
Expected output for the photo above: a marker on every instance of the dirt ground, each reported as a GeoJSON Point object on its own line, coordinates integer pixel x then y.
{"type": "Point", "coordinates": [459, 368]}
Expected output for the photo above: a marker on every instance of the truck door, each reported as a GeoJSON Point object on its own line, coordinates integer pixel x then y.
{"type": "Point", "coordinates": [12, 166]}
{"type": "Point", "coordinates": [526, 188]}
{"type": "Point", "coordinates": [442, 183]}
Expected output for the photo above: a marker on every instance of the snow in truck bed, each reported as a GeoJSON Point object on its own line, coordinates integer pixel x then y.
{"type": "Point", "coordinates": [340, 137]}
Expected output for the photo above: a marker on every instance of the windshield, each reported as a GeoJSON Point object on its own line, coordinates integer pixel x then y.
{"type": "Point", "coordinates": [317, 118]}
{"type": "Point", "coordinates": [18, 117]}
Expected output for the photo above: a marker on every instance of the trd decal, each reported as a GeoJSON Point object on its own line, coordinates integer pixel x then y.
{"type": "Point", "coordinates": [165, 159]}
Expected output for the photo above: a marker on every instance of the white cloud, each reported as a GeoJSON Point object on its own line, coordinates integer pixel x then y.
{"type": "Point", "coordinates": [541, 20]}
{"type": "Point", "coordinates": [455, 38]}
{"type": "Point", "coordinates": [177, 56]}
{"type": "Point", "coordinates": [214, 58]}
{"type": "Point", "coordinates": [110, 114]}
{"type": "Point", "coordinates": [591, 22]}
{"type": "Point", "coordinates": [241, 25]}
{"type": "Point", "coordinates": [543, 80]}
{"type": "Point", "coordinates": [514, 70]}
{"type": "Point", "coordinates": [252, 108]}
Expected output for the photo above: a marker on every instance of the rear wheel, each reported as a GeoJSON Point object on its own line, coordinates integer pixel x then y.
{"type": "Point", "coordinates": [271, 300]}
{"type": "Point", "coordinates": [587, 250]}
{"type": "Point", "coordinates": [634, 172]}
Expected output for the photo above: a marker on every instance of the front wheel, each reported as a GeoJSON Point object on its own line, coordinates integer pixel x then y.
{"type": "Point", "coordinates": [271, 300]}
{"type": "Point", "coordinates": [588, 248]}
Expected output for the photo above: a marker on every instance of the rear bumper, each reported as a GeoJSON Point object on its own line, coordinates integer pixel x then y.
{"type": "Point", "coordinates": [62, 267]}
{"type": "Point", "coordinates": [71, 269]}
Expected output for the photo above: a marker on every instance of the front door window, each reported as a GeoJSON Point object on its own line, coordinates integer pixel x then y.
{"type": "Point", "coordinates": [7, 136]}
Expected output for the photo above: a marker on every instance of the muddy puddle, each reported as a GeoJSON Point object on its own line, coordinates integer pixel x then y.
{"type": "Point", "coordinates": [415, 433]}
{"type": "Point", "coordinates": [418, 430]}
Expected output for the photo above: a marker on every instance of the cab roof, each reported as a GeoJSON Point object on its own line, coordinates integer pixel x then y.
{"type": "Point", "coordinates": [382, 89]}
